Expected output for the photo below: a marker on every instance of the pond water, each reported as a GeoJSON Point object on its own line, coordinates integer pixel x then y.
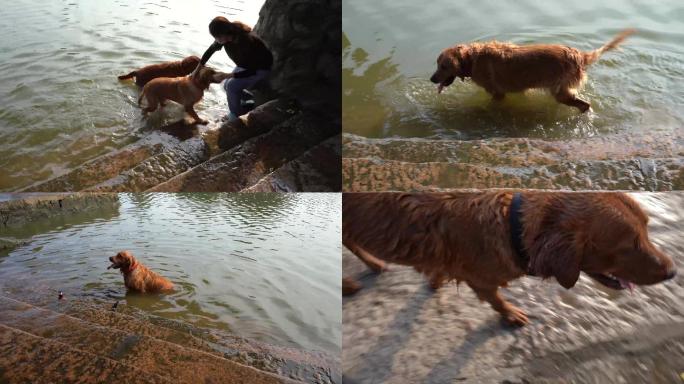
{"type": "Point", "coordinates": [263, 266]}
{"type": "Point", "coordinates": [62, 104]}
{"type": "Point", "coordinates": [390, 49]}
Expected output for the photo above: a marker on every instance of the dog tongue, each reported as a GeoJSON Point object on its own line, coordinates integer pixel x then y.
{"type": "Point", "coordinates": [440, 88]}
{"type": "Point", "coordinates": [111, 266]}
{"type": "Point", "coordinates": [627, 284]}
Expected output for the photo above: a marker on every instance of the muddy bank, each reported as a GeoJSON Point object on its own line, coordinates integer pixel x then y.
{"type": "Point", "coordinates": [602, 163]}
{"type": "Point", "coordinates": [397, 330]}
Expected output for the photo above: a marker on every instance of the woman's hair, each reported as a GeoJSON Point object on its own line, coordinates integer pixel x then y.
{"type": "Point", "coordinates": [220, 26]}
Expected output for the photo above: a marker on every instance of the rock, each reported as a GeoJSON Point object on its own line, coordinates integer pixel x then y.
{"type": "Point", "coordinates": [34, 208]}
{"type": "Point", "coordinates": [305, 38]}
{"type": "Point", "coordinates": [317, 170]}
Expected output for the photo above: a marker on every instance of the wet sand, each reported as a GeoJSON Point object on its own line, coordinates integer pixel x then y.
{"type": "Point", "coordinates": [397, 330]}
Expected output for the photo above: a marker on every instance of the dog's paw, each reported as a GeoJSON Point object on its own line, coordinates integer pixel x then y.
{"type": "Point", "coordinates": [515, 316]}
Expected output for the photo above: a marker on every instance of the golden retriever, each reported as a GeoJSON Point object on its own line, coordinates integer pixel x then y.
{"type": "Point", "coordinates": [186, 91]}
{"type": "Point", "coordinates": [501, 68]}
{"type": "Point", "coordinates": [168, 69]}
{"type": "Point", "coordinates": [471, 237]}
{"type": "Point", "coordinates": [138, 277]}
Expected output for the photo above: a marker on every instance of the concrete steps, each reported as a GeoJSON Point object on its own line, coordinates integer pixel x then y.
{"type": "Point", "coordinates": [594, 163]}
{"type": "Point", "coordinates": [99, 347]}
{"type": "Point", "coordinates": [27, 358]}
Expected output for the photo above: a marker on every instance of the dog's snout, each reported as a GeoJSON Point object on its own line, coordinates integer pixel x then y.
{"type": "Point", "coordinates": [111, 258]}
{"type": "Point", "coordinates": [671, 273]}
{"type": "Point", "coordinates": [434, 79]}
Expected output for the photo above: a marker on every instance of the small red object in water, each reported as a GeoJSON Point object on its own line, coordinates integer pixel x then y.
{"type": "Point", "coordinates": [61, 295]}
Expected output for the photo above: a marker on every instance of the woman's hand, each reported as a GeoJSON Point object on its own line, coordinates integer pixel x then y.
{"type": "Point", "coordinates": [225, 76]}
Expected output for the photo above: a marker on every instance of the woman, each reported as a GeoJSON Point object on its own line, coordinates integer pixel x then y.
{"type": "Point", "coordinates": [252, 58]}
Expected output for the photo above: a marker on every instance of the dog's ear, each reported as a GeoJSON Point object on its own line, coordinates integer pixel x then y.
{"type": "Point", "coordinates": [462, 61]}
{"type": "Point", "coordinates": [127, 258]}
{"type": "Point", "coordinates": [557, 254]}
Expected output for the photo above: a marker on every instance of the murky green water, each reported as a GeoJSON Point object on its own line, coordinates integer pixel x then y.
{"type": "Point", "coordinates": [400, 134]}
{"type": "Point", "coordinates": [390, 48]}
{"type": "Point", "coordinates": [61, 101]}
{"type": "Point", "coordinates": [263, 266]}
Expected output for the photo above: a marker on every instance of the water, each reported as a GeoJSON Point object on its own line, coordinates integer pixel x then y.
{"type": "Point", "coordinates": [390, 49]}
{"type": "Point", "coordinates": [263, 266]}
{"type": "Point", "coordinates": [61, 102]}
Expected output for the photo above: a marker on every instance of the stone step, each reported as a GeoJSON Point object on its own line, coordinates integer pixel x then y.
{"type": "Point", "coordinates": [27, 358]}
{"type": "Point", "coordinates": [153, 355]}
{"type": "Point", "coordinates": [154, 158]}
{"type": "Point", "coordinates": [296, 364]}
{"type": "Point", "coordinates": [259, 121]}
{"type": "Point", "coordinates": [361, 175]}
{"type": "Point", "coordinates": [317, 170]}
{"type": "Point", "coordinates": [593, 163]}
{"type": "Point", "coordinates": [246, 164]}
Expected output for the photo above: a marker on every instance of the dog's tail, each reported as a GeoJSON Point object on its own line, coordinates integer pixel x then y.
{"type": "Point", "coordinates": [591, 57]}
{"type": "Point", "coordinates": [128, 76]}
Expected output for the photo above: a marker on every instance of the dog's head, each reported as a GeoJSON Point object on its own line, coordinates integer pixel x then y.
{"type": "Point", "coordinates": [207, 76]}
{"type": "Point", "coordinates": [451, 63]}
{"type": "Point", "coordinates": [606, 237]}
{"type": "Point", "coordinates": [190, 63]}
{"type": "Point", "coordinates": [123, 261]}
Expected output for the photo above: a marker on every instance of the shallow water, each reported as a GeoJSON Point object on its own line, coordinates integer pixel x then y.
{"type": "Point", "coordinates": [263, 266]}
{"type": "Point", "coordinates": [61, 102]}
{"type": "Point", "coordinates": [390, 50]}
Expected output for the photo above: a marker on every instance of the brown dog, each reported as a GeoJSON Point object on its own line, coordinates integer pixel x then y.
{"type": "Point", "coordinates": [501, 68]}
{"type": "Point", "coordinates": [468, 237]}
{"type": "Point", "coordinates": [168, 69]}
{"type": "Point", "coordinates": [137, 277]}
{"type": "Point", "coordinates": [186, 91]}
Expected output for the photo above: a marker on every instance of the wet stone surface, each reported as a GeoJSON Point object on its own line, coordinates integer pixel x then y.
{"type": "Point", "coordinates": [243, 166]}
{"type": "Point", "coordinates": [607, 163]}
{"type": "Point", "coordinates": [164, 349]}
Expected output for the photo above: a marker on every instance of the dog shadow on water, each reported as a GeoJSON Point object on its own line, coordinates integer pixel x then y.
{"type": "Point", "coordinates": [180, 129]}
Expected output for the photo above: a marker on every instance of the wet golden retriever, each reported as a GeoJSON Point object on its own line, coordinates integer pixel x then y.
{"type": "Point", "coordinates": [502, 68]}
{"type": "Point", "coordinates": [467, 237]}
{"type": "Point", "coordinates": [186, 91]}
{"type": "Point", "coordinates": [138, 277]}
{"type": "Point", "coordinates": [168, 69]}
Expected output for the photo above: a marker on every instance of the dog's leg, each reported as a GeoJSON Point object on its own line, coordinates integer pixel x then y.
{"type": "Point", "coordinates": [437, 280]}
{"type": "Point", "coordinates": [371, 261]}
{"type": "Point", "coordinates": [567, 97]}
{"type": "Point", "coordinates": [349, 286]}
{"type": "Point", "coordinates": [150, 108]}
{"type": "Point", "coordinates": [510, 313]}
{"type": "Point", "coordinates": [191, 111]}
